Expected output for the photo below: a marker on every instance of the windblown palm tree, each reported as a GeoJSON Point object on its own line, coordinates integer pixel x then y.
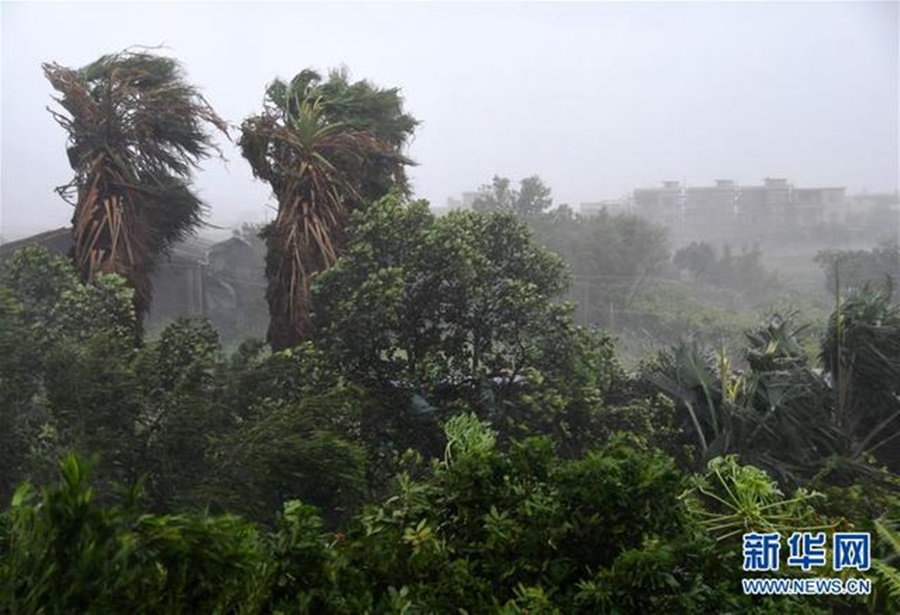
{"type": "Point", "coordinates": [325, 149]}
{"type": "Point", "coordinates": [136, 131]}
{"type": "Point", "coordinates": [861, 352]}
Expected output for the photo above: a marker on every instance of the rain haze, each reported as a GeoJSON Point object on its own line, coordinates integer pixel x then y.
{"type": "Point", "coordinates": [503, 307]}
{"type": "Point", "coordinates": [597, 99]}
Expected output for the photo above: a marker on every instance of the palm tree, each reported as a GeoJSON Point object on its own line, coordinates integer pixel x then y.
{"type": "Point", "coordinates": [861, 353]}
{"type": "Point", "coordinates": [359, 105]}
{"type": "Point", "coordinates": [325, 149]}
{"type": "Point", "coordinates": [136, 131]}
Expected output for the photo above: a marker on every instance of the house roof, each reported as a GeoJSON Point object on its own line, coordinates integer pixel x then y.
{"type": "Point", "coordinates": [60, 241]}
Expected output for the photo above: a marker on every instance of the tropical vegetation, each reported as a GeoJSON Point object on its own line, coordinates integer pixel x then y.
{"type": "Point", "coordinates": [136, 130]}
{"type": "Point", "coordinates": [428, 428]}
{"type": "Point", "coordinates": [325, 149]}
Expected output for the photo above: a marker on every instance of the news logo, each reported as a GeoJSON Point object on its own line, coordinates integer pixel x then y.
{"type": "Point", "coordinates": [761, 552]}
{"type": "Point", "coordinates": [852, 550]}
{"type": "Point", "coordinates": [806, 551]}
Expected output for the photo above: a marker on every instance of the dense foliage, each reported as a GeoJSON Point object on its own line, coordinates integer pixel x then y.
{"type": "Point", "coordinates": [743, 272]}
{"type": "Point", "coordinates": [428, 430]}
{"type": "Point", "coordinates": [415, 466]}
{"type": "Point", "coordinates": [848, 270]}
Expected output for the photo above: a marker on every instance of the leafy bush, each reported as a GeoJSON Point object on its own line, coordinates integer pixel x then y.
{"type": "Point", "coordinates": [65, 553]}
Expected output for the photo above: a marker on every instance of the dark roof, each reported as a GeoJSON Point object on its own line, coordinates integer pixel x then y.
{"type": "Point", "coordinates": [58, 240]}
{"type": "Point", "coordinates": [232, 243]}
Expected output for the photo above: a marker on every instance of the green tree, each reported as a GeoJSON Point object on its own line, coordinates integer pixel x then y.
{"type": "Point", "coordinates": [775, 415]}
{"type": "Point", "coordinates": [849, 270]}
{"type": "Point", "coordinates": [613, 258]}
{"type": "Point", "coordinates": [506, 531]}
{"type": "Point", "coordinates": [136, 130]}
{"type": "Point", "coordinates": [698, 258]}
{"type": "Point", "coordinates": [364, 106]}
{"type": "Point", "coordinates": [460, 312]}
{"type": "Point", "coordinates": [309, 450]}
{"type": "Point", "coordinates": [61, 551]}
{"type": "Point", "coordinates": [456, 299]}
{"type": "Point", "coordinates": [781, 413]}
{"type": "Point", "coordinates": [530, 200]}
{"type": "Point", "coordinates": [325, 149]}
{"type": "Point", "coordinates": [181, 378]}
{"type": "Point", "coordinates": [66, 368]}
{"type": "Point", "coordinates": [743, 273]}
{"type": "Point", "coordinates": [19, 383]}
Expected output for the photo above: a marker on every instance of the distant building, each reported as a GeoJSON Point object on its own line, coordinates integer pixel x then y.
{"type": "Point", "coordinates": [453, 204]}
{"type": "Point", "coordinates": [662, 205]}
{"type": "Point", "coordinates": [727, 210]}
{"type": "Point", "coordinates": [58, 241]}
{"type": "Point", "coordinates": [223, 281]}
{"type": "Point", "coordinates": [861, 205]}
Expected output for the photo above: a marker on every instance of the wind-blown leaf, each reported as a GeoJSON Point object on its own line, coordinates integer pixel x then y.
{"type": "Point", "coordinates": [136, 131]}
{"type": "Point", "coordinates": [325, 149]}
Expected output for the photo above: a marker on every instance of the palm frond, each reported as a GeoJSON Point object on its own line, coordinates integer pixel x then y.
{"type": "Point", "coordinates": [314, 168]}
{"type": "Point", "coordinates": [136, 131]}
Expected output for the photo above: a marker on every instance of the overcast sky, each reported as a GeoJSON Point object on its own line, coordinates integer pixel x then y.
{"type": "Point", "coordinates": [596, 98]}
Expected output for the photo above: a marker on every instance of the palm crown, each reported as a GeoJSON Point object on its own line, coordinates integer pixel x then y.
{"type": "Point", "coordinates": [136, 131]}
{"type": "Point", "coordinates": [324, 149]}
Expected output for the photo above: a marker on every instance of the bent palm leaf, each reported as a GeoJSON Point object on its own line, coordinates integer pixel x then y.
{"type": "Point", "coordinates": [314, 168]}
{"type": "Point", "coordinates": [136, 131]}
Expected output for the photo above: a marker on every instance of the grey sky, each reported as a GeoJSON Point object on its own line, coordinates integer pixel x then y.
{"type": "Point", "coordinates": [597, 99]}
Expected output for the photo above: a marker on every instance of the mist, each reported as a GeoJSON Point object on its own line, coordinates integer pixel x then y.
{"type": "Point", "coordinates": [501, 308]}
{"type": "Point", "coordinates": [596, 99]}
